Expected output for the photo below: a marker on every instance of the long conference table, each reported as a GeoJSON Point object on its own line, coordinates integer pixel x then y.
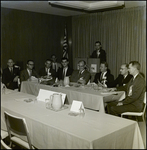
{"type": "Point", "coordinates": [59, 130]}
{"type": "Point", "coordinates": [92, 99]}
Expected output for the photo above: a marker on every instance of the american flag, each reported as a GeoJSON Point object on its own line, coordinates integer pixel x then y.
{"type": "Point", "coordinates": [65, 44]}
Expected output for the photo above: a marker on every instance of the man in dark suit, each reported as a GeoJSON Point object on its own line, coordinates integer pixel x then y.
{"type": "Point", "coordinates": [28, 73]}
{"type": "Point", "coordinates": [55, 64]}
{"type": "Point", "coordinates": [104, 77]}
{"type": "Point", "coordinates": [82, 75]}
{"type": "Point", "coordinates": [135, 90]}
{"type": "Point", "coordinates": [66, 70]}
{"type": "Point", "coordinates": [99, 52]}
{"type": "Point", "coordinates": [10, 75]}
{"type": "Point", "coordinates": [123, 78]}
{"type": "Point", "coordinates": [48, 72]}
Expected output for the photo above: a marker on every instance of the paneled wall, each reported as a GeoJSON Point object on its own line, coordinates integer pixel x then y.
{"type": "Point", "coordinates": [29, 35]}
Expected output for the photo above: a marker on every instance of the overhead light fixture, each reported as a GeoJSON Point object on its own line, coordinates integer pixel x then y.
{"type": "Point", "coordinates": [88, 5]}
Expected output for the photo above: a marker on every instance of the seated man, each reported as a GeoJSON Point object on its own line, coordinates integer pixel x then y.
{"type": "Point", "coordinates": [66, 70]}
{"type": "Point", "coordinates": [123, 78]}
{"type": "Point", "coordinates": [103, 78]}
{"type": "Point", "coordinates": [135, 90]}
{"type": "Point", "coordinates": [81, 76]}
{"type": "Point", "coordinates": [48, 73]}
{"type": "Point", "coordinates": [10, 75]}
{"type": "Point", "coordinates": [29, 72]}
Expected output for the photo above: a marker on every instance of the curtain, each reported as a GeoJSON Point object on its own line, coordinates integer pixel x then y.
{"type": "Point", "coordinates": [122, 34]}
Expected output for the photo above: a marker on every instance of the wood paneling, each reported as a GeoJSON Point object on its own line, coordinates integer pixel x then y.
{"type": "Point", "coordinates": [28, 35]}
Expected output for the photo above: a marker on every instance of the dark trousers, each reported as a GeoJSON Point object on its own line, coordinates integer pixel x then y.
{"type": "Point", "coordinates": [118, 110]}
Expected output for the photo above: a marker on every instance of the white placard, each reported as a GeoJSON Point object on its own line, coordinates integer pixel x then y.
{"type": "Point", "coordinates": [76, 106]}
{"type": "Point", "coordinates": [45, 94]}
{"type": "Point", "coordinates": [94, 68]}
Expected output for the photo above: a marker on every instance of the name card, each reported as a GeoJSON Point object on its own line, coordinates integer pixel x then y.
{"type": "Point", "coordinates": [45, 94]}
{"type": "Point", "coordinates": [77, 106]}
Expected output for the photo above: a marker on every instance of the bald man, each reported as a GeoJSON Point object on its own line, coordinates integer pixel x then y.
{"type": "Point", "coordinates": [10, 75]}
{"type": "Point", "coordinates": [123, 78]}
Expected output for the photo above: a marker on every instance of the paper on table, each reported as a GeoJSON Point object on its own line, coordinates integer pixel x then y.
{"type": "Point", "coordinates": [45, 94]}
{"type": "Point", "coordinates": [77, 106]}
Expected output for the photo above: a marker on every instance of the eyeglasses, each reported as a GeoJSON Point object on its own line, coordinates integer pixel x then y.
{"type": "Point", "coordinates": [31, 64]}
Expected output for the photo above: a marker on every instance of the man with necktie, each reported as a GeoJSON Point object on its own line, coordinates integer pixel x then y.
{"type": "Point", "coordinates": [55, 64]}
{"type": "Point", "coordinates": [135, 90]}
{"type": "Point", "coordinates": [48, 72]}
{"type": "Point", "coordinates": [82, 75]}
{"type": "Point", "coordinates": [66, 70]}
{"type": "Point", "coordinates": [26, 74]}
{"type": "Point", "coordinates": [99, 52]}
{"type": "Point", "coordinates": [10, 75]}
{"type": "Point", "coordinates": [104, 77]}
{"type": "Point", "coordinates": [123, 78]}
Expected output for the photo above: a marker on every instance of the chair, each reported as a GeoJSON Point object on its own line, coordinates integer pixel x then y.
{"type": "Point", "coordinates": [137, 113]}
{"type": "Point", "coordinates": [17, 127]}
{"type": "Point", "coordinates": [4, 134]}
{"type": "Point", "coordinates": [4, 145]}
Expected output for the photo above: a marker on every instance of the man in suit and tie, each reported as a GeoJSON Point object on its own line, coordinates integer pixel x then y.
{"type": "Point", "coordinates": [123, 78]}
{"type": "Point", "coordinates": [55, 64]}
{"type": "Point", "coordinates": [104, 77]}
{"type": "Point", "coordinates": [135, 90]}
{"type": "Point", "coordinates": [99, 52]}
{"type": "Point", "coordinates": [48, 72]}
{"type": "Point", "coordinates": [10, 75]}
{"type": "Point", "coordinates": [82, 75]}
{"type": "Point", "coordinates": [66, 70]}
{"type": "Point", "coordinates": [29, 72]}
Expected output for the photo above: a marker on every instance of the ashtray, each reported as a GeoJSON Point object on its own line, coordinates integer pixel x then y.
{"type": "Point", "coordinates": [62, 108]}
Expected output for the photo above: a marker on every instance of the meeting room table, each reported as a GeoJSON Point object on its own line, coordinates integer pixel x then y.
{"type": "Point", "coordinates": [51, 129]}
{"type": "Point", "coordinates": [92, 99]}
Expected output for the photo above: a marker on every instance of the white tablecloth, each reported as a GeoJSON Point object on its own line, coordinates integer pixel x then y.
{"type": "Point", "coordinates": [58, 130]}
{"type": "Point", "coordinates": [91, 98]}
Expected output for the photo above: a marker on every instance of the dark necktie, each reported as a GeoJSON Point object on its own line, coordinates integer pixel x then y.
{"type": "Point", "coordinates": [63, 73]}
{"type": "Point", "coordinates": [101, 78]}
{"type": "Point", "coordinates": [11, 70]}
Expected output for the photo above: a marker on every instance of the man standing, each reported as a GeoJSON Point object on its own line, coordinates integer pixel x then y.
{"type": "Point", "coordinates": [55, 64]}
{"type": "Point", "coordinates": [135, 90]}
{"type": "Point", "coordinates": [99, 52]}
{"type": "Point", "coordinates": [104, 78]}
{"type": "Point", "coordinates": [123, 78]}
{"type": "Point", "coordinates": [10, 75]}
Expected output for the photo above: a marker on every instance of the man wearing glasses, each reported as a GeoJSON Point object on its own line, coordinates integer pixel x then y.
{"type": "Point", "coordinates": [29, 72]}
{"type": "Point", "coordinates": [82, 75]}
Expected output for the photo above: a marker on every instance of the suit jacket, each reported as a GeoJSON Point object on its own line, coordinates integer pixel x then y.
{"type": "Point", "coordinates": [76, 76]}
{"type": "Point", "coordinates": [42, 72]}
{"type": "Point", "coordinates": [60, 73]}
{"type": "Point", "coordinates": [24, 76]}
{"type": "Point", "coordinates": [120, 81]}
{"type": "Point", "coordinates": [8, 77]}
{"type": "Point", "coordinates": [58, 65]}
{"type": "Point", "coordinates": [137, 95]}
{"type": "Point", "coordinates": [109, 78]}
{"type": "Point", "coordinates": [102, 55]}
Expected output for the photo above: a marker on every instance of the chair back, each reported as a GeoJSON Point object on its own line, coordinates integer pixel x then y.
{"type": "Point", "coordinates": [18, 126]}
{"type": "Point", "coordinates": [4, 145]}
{"type": "Point", "coordinates": [144, 102]}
